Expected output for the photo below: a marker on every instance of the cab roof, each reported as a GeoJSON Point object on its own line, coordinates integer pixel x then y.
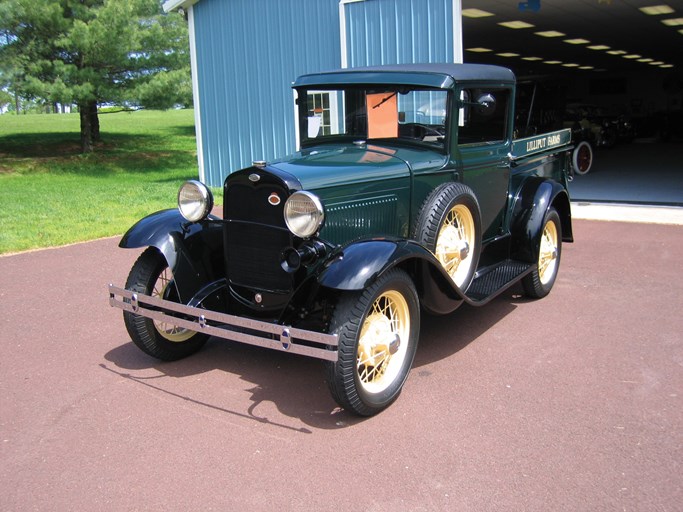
{"type": "Point", "coordinates": [441, 76]}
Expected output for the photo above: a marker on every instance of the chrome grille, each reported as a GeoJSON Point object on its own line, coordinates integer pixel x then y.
{"type": "Point", "coordinates": [256, 234]}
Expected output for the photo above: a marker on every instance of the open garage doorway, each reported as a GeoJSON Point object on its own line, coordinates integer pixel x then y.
{"type": "Point", "coordinates": [611, 70]}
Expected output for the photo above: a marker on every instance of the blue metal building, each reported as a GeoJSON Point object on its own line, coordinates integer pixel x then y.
{"type": "Point", "coordinates": [246, 53]}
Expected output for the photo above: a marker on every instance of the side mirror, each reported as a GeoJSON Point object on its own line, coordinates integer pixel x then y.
{"type": "Point", "coordinates": [486, 104]}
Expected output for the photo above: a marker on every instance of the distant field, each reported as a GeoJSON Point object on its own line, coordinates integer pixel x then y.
{"type": "Point", "coordinates": [52, 195]}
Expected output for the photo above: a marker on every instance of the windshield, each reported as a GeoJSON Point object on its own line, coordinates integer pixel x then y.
{"type": "Point", "coordinates": [371, 113]}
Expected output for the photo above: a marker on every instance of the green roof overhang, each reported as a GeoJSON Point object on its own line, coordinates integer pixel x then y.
{"type": "Point", "coordinates": [439, 76]}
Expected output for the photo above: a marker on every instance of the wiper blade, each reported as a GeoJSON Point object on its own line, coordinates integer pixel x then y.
{"type": "Point", "coordinates": [385, 99]}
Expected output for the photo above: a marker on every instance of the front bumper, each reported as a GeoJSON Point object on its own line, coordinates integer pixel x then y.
{"type": "Point", "coordinates": [229, 327]}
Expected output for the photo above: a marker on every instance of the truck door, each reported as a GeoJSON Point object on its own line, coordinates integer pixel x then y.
{"type": "Point", "coordinates": [483, 144]}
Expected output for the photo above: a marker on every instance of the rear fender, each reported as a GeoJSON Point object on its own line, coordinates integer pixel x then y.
{"type": "Point", "coordinates": [193, 251]}
{"type": "Point", "coordinates": [359, 264]}
{"type": "Point", "coordinates": [535, 197]}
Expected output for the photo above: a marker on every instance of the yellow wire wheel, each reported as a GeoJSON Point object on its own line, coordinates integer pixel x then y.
{"type": "Point", "coordinates": [168, 331]}
{"type": "Point", "coordinates": [449, 225]}
{"type": "Point", "coordinates": [378, 330]}
{"type": "Point", "coordinates": [454, 243]}
{"type": "Point", "coordinates": [540, 281]}
{"type": "Point", "coordinates": [382, 342]}
{"type": "Point", "coordinates": [547, 254]}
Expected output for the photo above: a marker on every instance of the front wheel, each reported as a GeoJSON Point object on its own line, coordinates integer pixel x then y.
{"type": "Point", "coordinates": [150, 275]}
{"type": "Point", "coordinates": [378, 331]}
{"type": "Point", "coordinates": [540, 281]}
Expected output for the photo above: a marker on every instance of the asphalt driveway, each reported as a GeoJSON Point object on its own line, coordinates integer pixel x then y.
{"type": "Point", "coordinates": [569, 403]}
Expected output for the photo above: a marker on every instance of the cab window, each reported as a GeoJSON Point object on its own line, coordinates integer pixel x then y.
{"type": "Point", "coordinates": [483, 115]}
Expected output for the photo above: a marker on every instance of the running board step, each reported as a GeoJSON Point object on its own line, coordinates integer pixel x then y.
{"type": "Point", "coordinates": [496, 279]}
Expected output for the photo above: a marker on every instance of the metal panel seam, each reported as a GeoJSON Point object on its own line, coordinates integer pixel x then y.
{"type": "Point", "coordinates": [457, 35]}
{"type": "Point", "coordinates": [342, 30]}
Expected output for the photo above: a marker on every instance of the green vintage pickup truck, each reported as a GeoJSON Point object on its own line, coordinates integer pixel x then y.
{"type": "Point", "coordinates": [408, 196]}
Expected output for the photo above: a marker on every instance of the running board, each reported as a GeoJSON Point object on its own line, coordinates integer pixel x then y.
{"type": "Point", "coordinates": [492, 281]}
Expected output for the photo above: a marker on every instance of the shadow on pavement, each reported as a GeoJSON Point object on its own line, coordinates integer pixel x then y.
{"type": "Point", "coordinates": [296, 385]}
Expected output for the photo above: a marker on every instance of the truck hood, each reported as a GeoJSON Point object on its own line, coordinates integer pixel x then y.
{"type": "Point", "coordinates": [336, 165]}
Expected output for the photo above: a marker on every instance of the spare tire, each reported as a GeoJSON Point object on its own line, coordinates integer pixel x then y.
{"type": "Point", "coordinates": [449, 225]}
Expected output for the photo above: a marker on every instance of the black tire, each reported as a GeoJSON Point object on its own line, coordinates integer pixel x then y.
{"type": "Point", "coordinates": [368, 377]}
{"type": "Point", "coordinates": [582, 157]}
{"type": "Point", "coordinates": [150, 275]}
{"type": "Point", "coordinates": [455, 244]}
{"type": "Point", "coordinates": [540, 281]}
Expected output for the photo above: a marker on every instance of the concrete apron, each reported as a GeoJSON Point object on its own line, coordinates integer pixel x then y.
{"type": "Point", "coordinates": [628, 213]}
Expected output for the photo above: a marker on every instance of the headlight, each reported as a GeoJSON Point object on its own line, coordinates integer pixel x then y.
{"type": "Point", "coordinates": [194, 200]}
{"type": "Point", "coordinates": [304, 214]}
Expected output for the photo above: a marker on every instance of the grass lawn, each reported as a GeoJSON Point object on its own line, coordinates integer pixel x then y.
{"type": "Point", "coordinates": [52, 195]}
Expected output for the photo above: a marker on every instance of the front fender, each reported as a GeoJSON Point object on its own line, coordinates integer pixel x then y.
{"type": "Point", "coordinates": [193, 251]}
{"type": "Point", "coordinates": [357, 265]}
{"type": "Point", "coordinates": [535, 197]}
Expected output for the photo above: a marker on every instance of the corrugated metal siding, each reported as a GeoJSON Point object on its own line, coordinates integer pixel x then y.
{"type": "Point", "coordinates": [248, 53]}
{"type": "Point", "coordinates": [399, 32]}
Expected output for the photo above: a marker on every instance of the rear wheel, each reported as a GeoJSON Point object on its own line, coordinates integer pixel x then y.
{"type": "Point", "coordinates": [150, 275]}
{"type": "Point", "coordinates": [378, 330]}
{"type": "Point", "coordinates": [538, 283]}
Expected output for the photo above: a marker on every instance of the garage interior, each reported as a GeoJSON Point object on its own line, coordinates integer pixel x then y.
{"type": "Point", "coordinates": [613, 67]}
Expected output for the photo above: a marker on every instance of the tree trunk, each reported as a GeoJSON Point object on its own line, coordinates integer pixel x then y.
{"type": "Point", "coordinates": [86, 127]}
{"type": "Point", "coordinates": [94, 121]}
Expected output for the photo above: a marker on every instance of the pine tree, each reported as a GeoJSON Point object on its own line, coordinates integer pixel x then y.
{"type": "Point", "coordinates": [94, 52]}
